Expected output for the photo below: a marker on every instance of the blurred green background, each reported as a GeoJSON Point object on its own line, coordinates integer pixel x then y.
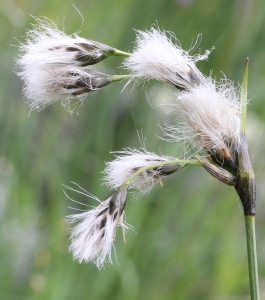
{"type": "Point", "coordinates": [188, 240]}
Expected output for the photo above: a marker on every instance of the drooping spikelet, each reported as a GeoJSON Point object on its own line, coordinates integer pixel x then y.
{"type": "Point", "coordinates": [46, 44]}
{"type": "Point", "coordinates": [129, 161]}
{"type": "Point", "coordinates": [65, 83]}
{"type": "Point", "coordinates": [156, 57]}
{"type": "Point", "coordinates": [50, 65]}
{"type": "Point", "coordinates": [92, 239]}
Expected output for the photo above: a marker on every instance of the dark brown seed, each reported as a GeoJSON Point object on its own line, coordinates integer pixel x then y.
{"type": "Point", "coordinates": [102, 212]}
{"type": "Point", "coordinates": [115, 216]}
{"type": "Point", "coordinates": [103, 223]}
{"type": "Point", "coordinates": [113, 202]}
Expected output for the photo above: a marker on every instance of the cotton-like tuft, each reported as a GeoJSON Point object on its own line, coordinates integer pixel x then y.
{"type": "Point", "coordinates": [129, 161]}
{"type": "Point", "coordinates": [46, 44]}
{"type": "Point", "coordinates": [92, 239]}
{"type": "Point", "coordinates": [50, 63]}
{"type": "Point", "coordinates": [65, 83]}
{"type": "Point", "coordinates": [208, 117]}
{"type": "Point", "coordinates": [156, 57]}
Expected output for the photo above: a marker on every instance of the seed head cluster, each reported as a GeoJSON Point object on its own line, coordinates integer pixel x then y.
{"type": "Point", "coordinates": [51, 65]}
{"type": "Point", "coordinates": [205, 115]}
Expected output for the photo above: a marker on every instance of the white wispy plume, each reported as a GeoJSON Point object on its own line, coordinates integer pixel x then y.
{"type": "Point", "coordinates": [129, 161]}
{"type": "Point", "coordinates": [156, 57]}
{"type": "Point", "coordinates": [46, 44]}
{"type": "Point", "coordinates": [92, 239]}
{"type": "Point", "coordinates": [50, 65]}
{"type": "Point", "coordinates": [67, 84]}
{"type": "Point", "coordinates": [208, 116]}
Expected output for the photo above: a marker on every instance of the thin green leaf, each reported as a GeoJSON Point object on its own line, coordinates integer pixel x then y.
{"type": "Point", "coordinates": [243, 96]}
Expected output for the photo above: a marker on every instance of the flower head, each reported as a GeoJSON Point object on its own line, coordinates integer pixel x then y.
{"type": "Point", "coordinates": [92, 239]}
{"type": "Point", "coordinates": [50, 65]}
{"type": "Point", "coordinates": [46, 44]}
{"type": "Point", "coordinates": [50, 84]}
{"type": "Point", "coordinates": [208, 116]}
{"type": "Point", "coordinates": [155, 56]}
{"type": "Point", "coordinates": [129, 161]}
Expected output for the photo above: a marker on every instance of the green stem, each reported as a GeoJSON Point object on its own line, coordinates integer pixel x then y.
{"type": "Point", "coordinates": [243, 97]}
{"type": "Point", "coordinates": [121, 53]}
{"type": "Point", "coordinates": [119, 77]}
{"type": "Point", "coordinates": [252, 257]}
{"type": "Point", "coordinates": [164, 163]}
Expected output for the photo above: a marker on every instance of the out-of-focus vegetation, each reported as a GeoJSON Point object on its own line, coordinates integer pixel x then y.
{"type": "Point", "coordinates": [189, 239]}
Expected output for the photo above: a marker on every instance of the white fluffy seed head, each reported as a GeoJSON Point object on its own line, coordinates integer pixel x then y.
{"type": "Point", "coordinates": [92, 239]}
{"type": "Point", "coordinates": [46, 44]}
{"type": "Point", "coordinates": [156, 56]}
{"type": "Point", "coordinates": [48, 60]}
{"type": "Point", "coordinates": [129, 161]}
{"type": "Point", "coordinates": [45, 85]}
{"type": "Point", "coordinates": [208, 116]}
{"type": "Point", "coordinates": [49, 84]}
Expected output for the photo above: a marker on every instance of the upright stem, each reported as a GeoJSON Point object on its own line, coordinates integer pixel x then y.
{"type": "Point", "coordinates": [252, 257]}
{"type": "Point", "coordinates": [246, 189]}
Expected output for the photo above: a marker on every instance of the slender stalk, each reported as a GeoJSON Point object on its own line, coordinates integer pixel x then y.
{"type": "Point", "coordinates": [114, 78]}
{"type": "Point", "coordinates": [246, 189]}
{"type": "Point", "coordinates": [164, 163]}
{"type": "Point", "coordinates": [252, 257]}
{"type": "Point", "coordinates": [121, 53]}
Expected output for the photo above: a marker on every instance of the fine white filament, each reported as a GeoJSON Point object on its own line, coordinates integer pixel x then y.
{"type": "Point", "coordinates": [49, 66]}
{"type": "Point", "coordinates": [156, 57]}
{"type": "Point", "coordinates": [129, 161]}
{"type": "Point", "coordinates": [207, 116]}
{"type": "Point", "coordinates": [92, 238]}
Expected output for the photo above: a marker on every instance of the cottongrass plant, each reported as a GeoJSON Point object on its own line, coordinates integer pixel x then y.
{"type": "Point", "coordinates": [210, 116]}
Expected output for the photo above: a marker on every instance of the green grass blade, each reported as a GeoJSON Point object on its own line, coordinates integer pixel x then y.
{"type": "Point", "coordinates": [243, 96]}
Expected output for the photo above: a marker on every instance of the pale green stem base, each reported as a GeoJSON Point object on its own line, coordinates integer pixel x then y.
{"type": "Point", "coordinates": [252, 257]}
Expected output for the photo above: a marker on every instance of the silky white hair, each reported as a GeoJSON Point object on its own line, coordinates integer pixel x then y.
{"type": "Point", "coordinates": [127, 162]}
{"type": "Point", "coordinates": [45, 85]}
{"type": "Point", "coordinates": [47, 45]}
{"type": "Point", "coordinates": [92, 239]}
{"type": "Point", "coordinates": [50, 62]}
{"type": "Point", "coordinates": [207, 116]}
{"type": "Point", "coordinates": [156, 56]}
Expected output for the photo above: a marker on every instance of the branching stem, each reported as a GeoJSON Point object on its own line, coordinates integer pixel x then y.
{"type": "Point", "coordinates": [114, 78]}
{"type": "Point", "coordinates": [171, 162]}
